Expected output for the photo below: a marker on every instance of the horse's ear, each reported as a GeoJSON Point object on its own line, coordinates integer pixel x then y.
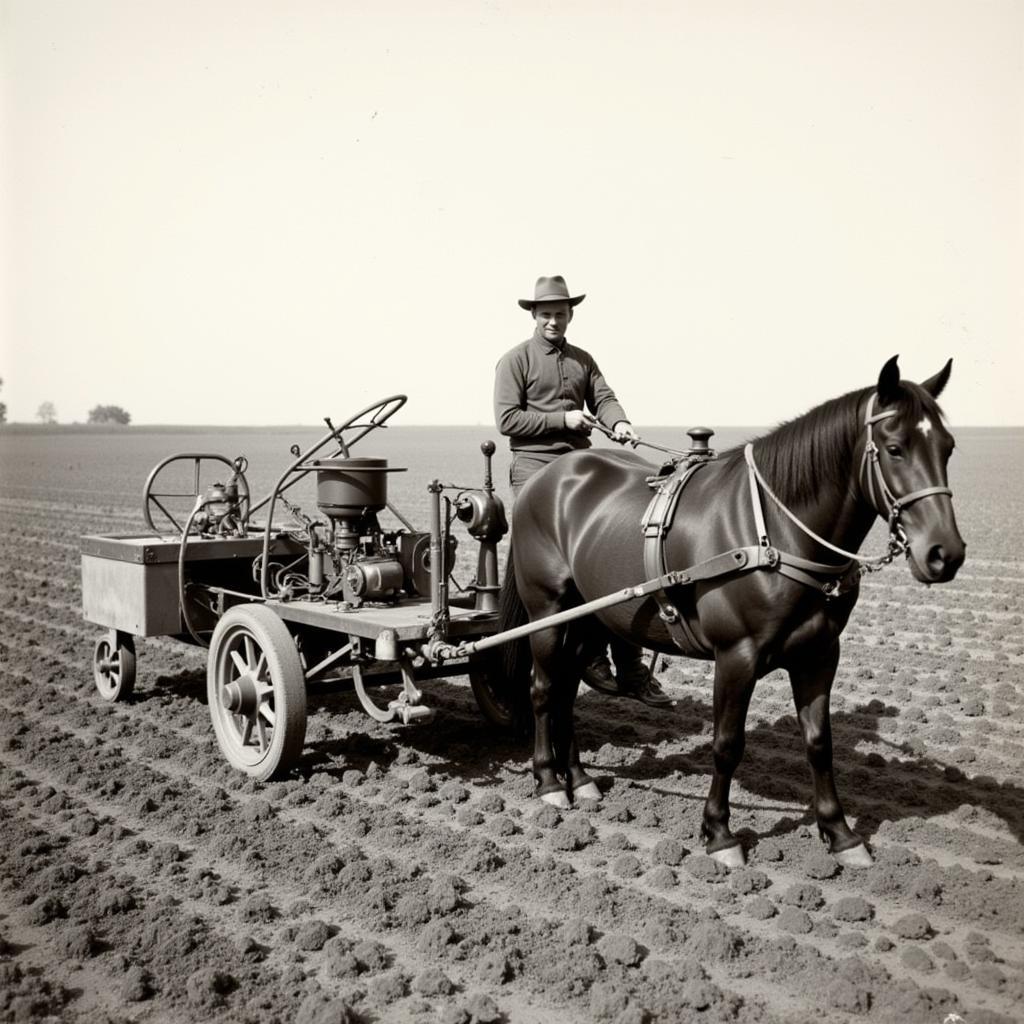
{"type": "Point", "coordinates": [889, 382]}
{"type": "Point", "coordinates": [934, 385]}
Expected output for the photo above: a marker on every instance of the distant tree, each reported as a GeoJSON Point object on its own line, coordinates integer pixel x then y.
{"type": "Point", "coordinates": [3, 407]}
{"type": "Point", "coordinates": [109, 414]}
{"type": "Point", "coordinates": [47, 413]}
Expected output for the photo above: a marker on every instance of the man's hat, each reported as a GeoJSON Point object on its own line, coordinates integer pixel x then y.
{"type": "Point", "coordinates": [551, 289]}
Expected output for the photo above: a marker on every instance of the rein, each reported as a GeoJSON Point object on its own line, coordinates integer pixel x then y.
{"type": "Point", "coordinates": [870, 465]}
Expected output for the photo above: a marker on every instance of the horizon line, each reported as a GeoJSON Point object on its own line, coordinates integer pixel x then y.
{"type": "Point", "coordinates": [23, 425]}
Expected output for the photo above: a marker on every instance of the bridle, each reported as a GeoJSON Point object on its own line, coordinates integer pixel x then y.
{"type": "Point", "coordinates": [880, 495]}
{"type": "Point", "coordinates": [870, 466]}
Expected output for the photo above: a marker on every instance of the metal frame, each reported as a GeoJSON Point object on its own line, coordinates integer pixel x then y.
{"type": "Point", "coordinates": [162, 584]}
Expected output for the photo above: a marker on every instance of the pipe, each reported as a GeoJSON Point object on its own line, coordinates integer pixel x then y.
{"type": "Point", "coordinates": [438, 605]}
{"type": "Point", "coordinates": [185, 617]}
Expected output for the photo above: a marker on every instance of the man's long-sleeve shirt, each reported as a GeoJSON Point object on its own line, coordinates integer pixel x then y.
{"type": "Point", "coordinates": [537, 382]}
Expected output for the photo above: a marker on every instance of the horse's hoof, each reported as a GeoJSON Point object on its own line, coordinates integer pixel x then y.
{"type": "Point", "coordinates": [731, 857]}
{"type": "Point", "coordinates": [855, 857]}
{"type": "Point", "coordinates": [559, 799]}
{"type": "Point", "coordinates": [587, 792]}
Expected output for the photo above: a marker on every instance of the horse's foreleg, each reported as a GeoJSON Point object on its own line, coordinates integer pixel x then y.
{"type": "Point", "coordinates": [735, 675]}
{"type": "Point", "coordinates": [546, 644]}
{"type": "Point", "coordinates": [812, 679]}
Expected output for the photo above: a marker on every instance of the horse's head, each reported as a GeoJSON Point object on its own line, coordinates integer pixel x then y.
{"type": "Point", "coordinates": [906, 477]}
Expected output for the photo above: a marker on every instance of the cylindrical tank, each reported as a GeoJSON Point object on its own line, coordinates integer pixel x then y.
{"type": "Point", "coordinates": [350, 487]}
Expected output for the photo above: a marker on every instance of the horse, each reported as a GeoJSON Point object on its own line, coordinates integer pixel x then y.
{"type": "Point", "coordinates": [781, 508]}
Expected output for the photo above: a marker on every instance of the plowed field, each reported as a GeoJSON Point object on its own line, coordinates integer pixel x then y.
{"type": "Point", "coordinates": [408, 874]}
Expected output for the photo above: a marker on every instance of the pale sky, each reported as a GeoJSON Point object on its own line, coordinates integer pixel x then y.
{"type": "Point", "coordinates": [262, 212]}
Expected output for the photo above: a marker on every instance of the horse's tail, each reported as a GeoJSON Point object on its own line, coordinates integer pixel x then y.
{"type": "Point", "coordinates": [516, 659]}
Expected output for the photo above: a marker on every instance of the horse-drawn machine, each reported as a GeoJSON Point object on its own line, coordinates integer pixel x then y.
{"type": "Point", "coordinates": [321, 598]}
{"type": "Point", "coordinates": [701, 558]}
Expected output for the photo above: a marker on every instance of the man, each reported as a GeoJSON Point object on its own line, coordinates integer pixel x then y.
{"type": "Point", "coordinates": [548, 395]}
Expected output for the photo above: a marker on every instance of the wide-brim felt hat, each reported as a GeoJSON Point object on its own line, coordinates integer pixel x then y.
{"type": "Point", "coordinates": [551, 289]}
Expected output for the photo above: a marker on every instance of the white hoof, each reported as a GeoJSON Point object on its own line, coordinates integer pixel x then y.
{"type": "Point", "coordinates": [587, 792]}
{"type": "Point", "coordinates": [855, 857]}
{"type": "Point", "coordinates": [557, 799]}
{"type": "Point", "coordinates": [731, 857]}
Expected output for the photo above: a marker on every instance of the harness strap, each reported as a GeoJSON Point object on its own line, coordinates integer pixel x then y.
{"type": "Point", "coordinates": [755, 499]}
{"type": "Point", "coordinates": [828, 579]}
{"type": "Point", "coordinates": [841, 579]}
{"type": "Point", "coordinates": [655, 524]}
{"type": "Point", "coordinates": [657, 519]}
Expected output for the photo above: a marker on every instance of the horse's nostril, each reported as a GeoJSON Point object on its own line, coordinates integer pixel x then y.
{"type": "Point", "coordinates": [936, 558]}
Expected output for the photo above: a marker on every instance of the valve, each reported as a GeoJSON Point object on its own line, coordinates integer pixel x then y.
{"type": "Point", "coordinates": [483, 513]}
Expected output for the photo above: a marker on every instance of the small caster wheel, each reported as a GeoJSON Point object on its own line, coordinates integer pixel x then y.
{"type": "Point", "coordinates": [113, 665]}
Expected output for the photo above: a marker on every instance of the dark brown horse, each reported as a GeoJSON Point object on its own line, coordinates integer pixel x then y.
{"type": "Point", "coordinates": [577, 536]}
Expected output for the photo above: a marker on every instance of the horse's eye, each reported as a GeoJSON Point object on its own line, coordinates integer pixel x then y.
{"type": "Point", "coordinates": [894, 450]}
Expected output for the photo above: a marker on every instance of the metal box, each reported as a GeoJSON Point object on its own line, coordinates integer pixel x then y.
{"type": "Point", "coordinates": [126, 587]}
{"type": "Point", "coordinates": [130, 582]}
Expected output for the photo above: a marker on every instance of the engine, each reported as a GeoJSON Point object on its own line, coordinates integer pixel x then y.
{"type": "Point", "coordinates": [349, 557]}
{"type": "Point", "coordinates": [381, 566]}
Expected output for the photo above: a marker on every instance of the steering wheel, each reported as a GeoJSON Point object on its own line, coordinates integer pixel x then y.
{"type": "Point", "coordinates": [151, 498]}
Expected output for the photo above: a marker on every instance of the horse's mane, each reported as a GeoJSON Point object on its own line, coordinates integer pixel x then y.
{"type": "Point", "coordinates": [816, 449]}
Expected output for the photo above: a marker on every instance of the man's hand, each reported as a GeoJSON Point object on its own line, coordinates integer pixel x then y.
{"type": "Point", "coordinates": [581, 420]}
{"type": "Point", "coordinates": [623, 431]}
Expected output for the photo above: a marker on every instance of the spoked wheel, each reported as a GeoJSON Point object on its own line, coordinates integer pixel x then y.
{"type": "Point", "coordinates": [485, 669]}
{"type": "Point", "coordinates": [256, 690]}
{"type": "Point", "coordinates": [113, 665]}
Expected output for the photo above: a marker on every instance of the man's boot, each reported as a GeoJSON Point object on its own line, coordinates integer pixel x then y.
{"type": "Point", "coordinates": [634, 678]}
{"type": "Point", "coordinates": [598, 676]}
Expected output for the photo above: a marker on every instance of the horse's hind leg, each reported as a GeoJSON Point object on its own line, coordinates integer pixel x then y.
{"type": "Point", "coordinates": [735, 675]}
{"type": "Point", "coordinates": [811, 679]}
{"type": "Point", "coordinates": [581, 785]}
{"type": "Point", "coordinates": [556, 758]}
{"type": "Point", "coordinates": [547, 713]}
